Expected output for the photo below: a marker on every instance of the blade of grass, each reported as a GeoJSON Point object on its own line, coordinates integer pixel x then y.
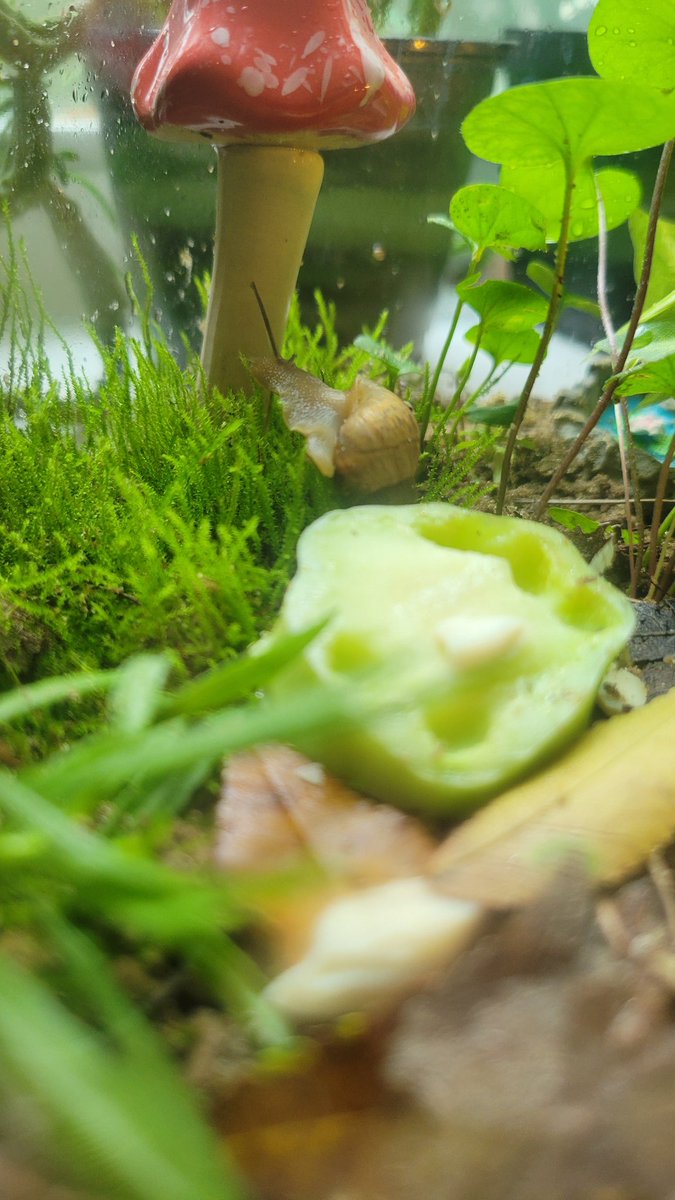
{"type": "Point", "coordinates": [24, 700]}
{"type": "Point", "coordinates": [121, 1119]}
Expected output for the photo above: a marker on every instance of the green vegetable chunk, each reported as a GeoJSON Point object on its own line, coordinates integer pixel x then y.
{"type": "Point", "coordinates": [491, 636]}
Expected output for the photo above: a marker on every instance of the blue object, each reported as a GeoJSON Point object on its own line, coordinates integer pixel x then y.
{"type": "Point", "coordinates": [652, 425]}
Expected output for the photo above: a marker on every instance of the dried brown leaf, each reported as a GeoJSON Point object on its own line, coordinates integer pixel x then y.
{"type": "Point", "coordinates": [278, 808]}
{"type": "Point", "coordinates": [609, 802]}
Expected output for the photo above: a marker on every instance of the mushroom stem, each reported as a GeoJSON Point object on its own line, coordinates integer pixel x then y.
{"type": "Point", "coordinates": [271, 190]}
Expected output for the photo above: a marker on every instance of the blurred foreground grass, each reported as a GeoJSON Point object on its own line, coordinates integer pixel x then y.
{"type": "Point", "coordinates": [81, 1063]}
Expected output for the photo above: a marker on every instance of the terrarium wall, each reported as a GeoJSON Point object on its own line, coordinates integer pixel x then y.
{"type": "Point", "coordinates": [371, 246]}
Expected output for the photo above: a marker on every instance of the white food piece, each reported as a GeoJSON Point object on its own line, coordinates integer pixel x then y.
{"type": "Point", "coordinates": [370, 946]}
{"type": "Point", "coordinates": [469, 642]}
{"type": "Point", "coordinates": [620, 691]}
{"type": "Point", "coordinates": [312, 772]}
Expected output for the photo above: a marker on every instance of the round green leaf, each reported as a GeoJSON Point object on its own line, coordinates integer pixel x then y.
{"type": "Point", "coordinates": [572, 520]}
{"type": "Point", "coordinates": [500, 415]}
{"type": "Point", "coordinates": [662, 274]}
{"type": "Point", "coordinates": [657, 377]}
{"type": "Point", "coordinates": [543, 277]}
{"type": "Point", "coordinates": [568, 119]}
{"type": "Point", "coordinates": [504, 305]}
{"type": "Point", "coordinates": [634, 40]}
{"type": "Point", "coordinates": [493, 218]}
{"type": "Point", "coordinates": [620, 191]}
{"type": "Point", "coordinates": [506, 345]}
{"type": "Point", "coordinates": [655, 340]}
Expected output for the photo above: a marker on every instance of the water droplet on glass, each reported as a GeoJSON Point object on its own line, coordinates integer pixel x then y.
{"type": "Point", "coordinates": [378, 252]}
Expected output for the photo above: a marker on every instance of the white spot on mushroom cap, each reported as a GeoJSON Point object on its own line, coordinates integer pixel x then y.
{"type": "Point", "coordinates": [326, 77]}
{"type": "Point", "coordinates": [374, 73]}
{"type": "Point", "coordinates": [264, 61]}
{"type": "Point", "coordinates": [313, 44]}
{"type": "Point", "coordinates": [221, 36]}
{"type": "Point", "coordinates": [295, 81]}
{"type": "Point", "coordinates": [252, 81]}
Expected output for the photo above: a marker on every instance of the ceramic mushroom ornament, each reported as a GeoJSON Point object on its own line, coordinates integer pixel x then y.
{"type": "Point", "coordinates": [271, 83]}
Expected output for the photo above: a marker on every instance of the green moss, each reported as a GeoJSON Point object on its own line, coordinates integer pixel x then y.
{"type": "Point", "coordinates": [143, 512]}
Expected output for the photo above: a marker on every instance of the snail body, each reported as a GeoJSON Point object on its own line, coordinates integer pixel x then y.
{"type": "Point", "coordinates": [368, 435]}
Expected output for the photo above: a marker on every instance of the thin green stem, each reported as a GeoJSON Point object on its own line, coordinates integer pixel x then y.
{"type": "Point", "coordinates": [665, 569]}
{"type": "Point", "coordinates": [605, 314]}
{"type": "Point", "coordinates": [634, 477]}
{"type": "Point", "coordinates": [656, 531]}
{"type": "Point", "coordinates": [623, 436]}
{"type": "Point", "coordinates": [483, 387]}
{"type": "Point", "coordinates": [629, 474]}
{"type": "Point", "coordinates": [441, 361]}
{"type": "Point", "coordinates": [435, 378]}
{"type": "Point", "coordinates": [607, 397]}
{"type": "Point", "coordinates": [454, 406]}
{"type": "Point", "coordinates": [554, 307]}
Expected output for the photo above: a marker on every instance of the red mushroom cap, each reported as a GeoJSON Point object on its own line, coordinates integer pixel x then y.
{"type": "Point", "coordinates": [286, 72]}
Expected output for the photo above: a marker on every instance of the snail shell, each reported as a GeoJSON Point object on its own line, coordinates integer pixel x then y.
{"type": "Point", "coordinates": [368, 435]}
{"type": "Point", "coordinates": [378, 443]}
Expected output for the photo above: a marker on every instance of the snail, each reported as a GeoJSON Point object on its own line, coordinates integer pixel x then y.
{"type": "Point", "coordinates": [368, 435]}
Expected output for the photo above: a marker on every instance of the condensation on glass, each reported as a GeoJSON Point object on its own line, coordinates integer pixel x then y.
{"type": "Point", "coordinates": [106, 184]}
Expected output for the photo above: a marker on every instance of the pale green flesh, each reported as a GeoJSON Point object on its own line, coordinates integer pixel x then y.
{"type": "Point", "coordinates": [498, 624]}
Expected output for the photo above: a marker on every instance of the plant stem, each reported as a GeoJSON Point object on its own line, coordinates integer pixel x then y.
{"type": "Point", "coordinates": [435, 378]}
{"type": "Point", "coordinates": [548, 331]}
{"type": "Point", "coordinates": [454, 406]}
{"type": "Point", "coordinates": [605, 314]}
{"type": "Point", "coordinates": [623, 434]}
{"type": "Point", "coordinates": [607, 397]}
{"type": "Point", "coordinates": [635, 487]}
{"type": "Point", "coordinates": [629, 474]}
{"type": "Point", "coordinates": [665, 570]}
{"type": "Point", "coordinates": [661, 489]}
{"type": "Point", "coordinates": [489, 379]}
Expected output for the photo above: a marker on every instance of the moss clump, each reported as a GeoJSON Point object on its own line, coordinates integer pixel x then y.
{"type": "Point", "coordinates": [142, 512]}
